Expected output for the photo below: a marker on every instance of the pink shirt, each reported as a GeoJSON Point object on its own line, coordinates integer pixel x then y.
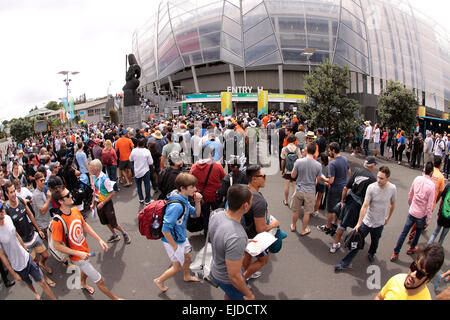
{"type": "Point", "coordinates": [421, 197]}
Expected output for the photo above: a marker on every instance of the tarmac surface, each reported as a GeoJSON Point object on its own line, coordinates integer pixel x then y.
{"type": "Point", "coordinates": [302, 270]}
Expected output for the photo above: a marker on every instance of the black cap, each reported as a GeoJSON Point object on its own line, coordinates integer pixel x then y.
{"type": "Point", "coordinates": [371, 160]}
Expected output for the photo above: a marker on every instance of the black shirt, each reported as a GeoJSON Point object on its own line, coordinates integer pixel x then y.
{"type": "Point", "coordinates": [359, 181]}
{"type": "Point", "coordinates": [21, 221]}
{"type": "Point", "coordinates": [257, 210]}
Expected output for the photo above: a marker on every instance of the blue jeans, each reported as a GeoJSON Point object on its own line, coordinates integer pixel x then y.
{"type": "Point", "coordinates": [410, 220]}
{"type": "Point", "coordinates": [146, 179]}
{"type": "Point", "coordinates": [375, 235]}
{"type": "Point", "coordinates": [111, 170]}
{"type": "Point", "coordinates": [436, 233]}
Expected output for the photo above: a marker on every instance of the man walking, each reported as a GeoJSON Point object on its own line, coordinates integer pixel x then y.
{"type": "Point", "coordinates": [142, 159]}
{"type": "Point", "coordinates": [338, 169]}
{"type": "Point", "coordinates": [367, 136]}
{"type": "Point", "coordinates": [421, 203]}
{"type": "Point", "coordinates": [375, 213]}
{"type": "Point", "coordinates": [229, 240]}
{"type": "Point", "coordinates": [125, 146]}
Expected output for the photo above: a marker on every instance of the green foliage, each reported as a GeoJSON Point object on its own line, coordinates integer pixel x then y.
{"type": "Point", "coordinates": [53, 105]}
{"type": "Point", "coordinates": [114, 115]}
{"type": "Point", "coordinates": [328, 106]}
{"type": "Point", "coordinates": [20, 129]}
{"type": "Point", "coordinates": [397, 106]}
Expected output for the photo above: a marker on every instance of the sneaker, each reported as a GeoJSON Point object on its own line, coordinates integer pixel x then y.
{"type": "Point", "coordinates": [339, 267]}
{"type": "Point", "coordinates": [315, 213]}
{"type": "Point", "coordinates": [114, 238]}
{"type": "Point", "coordinates": [147, 203]}
{"type": "Point", "coordinates": [126, 238]}
{"type": "Point", "coordinates": [394, 257]}
{"type": "Point", "coordinates": [371, 257]}
{"type": "Point", "coordinates": [412, 250]}
{"type": "Point", "coordinates": [335, 247]}
{"type": "Point", "coordinates": [141, 201]}
{"type": "Point", "coordinates": [256, 275]}
{"type": "Point", "coordinates": [324, 228]}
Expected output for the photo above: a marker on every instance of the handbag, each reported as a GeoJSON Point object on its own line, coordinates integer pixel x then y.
{"type": "Point", "coordinates": [197, 224]}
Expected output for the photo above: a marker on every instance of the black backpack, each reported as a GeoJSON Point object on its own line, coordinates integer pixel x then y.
{"type": "Point", "coordinates": [354, 240]}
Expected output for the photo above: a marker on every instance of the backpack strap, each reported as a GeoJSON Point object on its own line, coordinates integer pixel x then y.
{"type": "Point", "coordinates": [57, 217]}
{"type": "Point", "coordinates": [179, 217]}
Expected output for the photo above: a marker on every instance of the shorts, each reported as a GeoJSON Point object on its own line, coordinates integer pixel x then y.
{"type": "Point", "coordinates": [107, 214]}
{"type": "Point", "coordinates": [305, 200]}
{"type": "Point", "coordinates": [88, 269]}
{"type": "Point", "coordinates": [124, 165]}
{"type": "Point", "coordinates": [287, 176]}
{"type": "Point", "coordinates": [230, 290]}
{"type": "Point", "coordinates": [333, 198]}
{"type": "Point", "coordinates": [32, 270]}
{"type": "Point", "coordinates": [375, 145]}
{"type": "Point", "coordinates": [321, 188]}
{"type": "Point", "coordinates": [37, 246]}
{"type": "Point", "coordinates": [185, 246]}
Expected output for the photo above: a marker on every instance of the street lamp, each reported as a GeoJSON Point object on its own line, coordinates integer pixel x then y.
{"type": "Point", "coordinates": [308, 53]}
{"type": "Point", "coordinates": [67, 80]}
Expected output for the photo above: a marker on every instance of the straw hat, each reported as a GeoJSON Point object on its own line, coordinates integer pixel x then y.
{"type": "Point", "coordinates": [157, 134]}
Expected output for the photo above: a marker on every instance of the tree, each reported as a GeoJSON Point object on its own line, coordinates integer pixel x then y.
{"type": "Point", "coordinates": [53, 105]}
{"type": "Point", "coordinates": [21, 129]}
{"type": "Point", "coordinates": [328, 106]}
{"type": "Point", "coordinates": [397, 106]}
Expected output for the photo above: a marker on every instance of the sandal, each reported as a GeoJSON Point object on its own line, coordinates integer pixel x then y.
{"type": "Point", "coordinates": [308, 231]}
{"type": "Point", "coordinates": [285, 203]}
{"type": "Point", "coordinates": [88, 289]}
{"type": "Point", "coordinates": [44, 267]}
{"type": "Point", "coordinates": [50, 282]}
{"type": "Point", "coordinates": [293, 230]}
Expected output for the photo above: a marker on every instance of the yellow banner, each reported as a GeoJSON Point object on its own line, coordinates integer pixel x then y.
{"type": "Point", "coordinates": [226, 103]}
{"type": "Point", "coordinates": [446, 116]}
{"type": "Point", "coordinates": [421, 111]}
{"type": "Point", "coordinates": [263, 102]}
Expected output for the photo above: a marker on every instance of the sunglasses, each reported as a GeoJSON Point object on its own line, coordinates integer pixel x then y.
{"type": "Point", "coordinates": [261, 176]}
{"type": "Point", "coordinates": [419, 273]}
{"type": "Point", "coordinates": [68, 195]}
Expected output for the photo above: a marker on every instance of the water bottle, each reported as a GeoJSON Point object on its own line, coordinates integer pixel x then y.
{"type": "Point", "coordinates": [155, 227]}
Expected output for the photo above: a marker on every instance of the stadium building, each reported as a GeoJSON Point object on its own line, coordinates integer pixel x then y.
{"type": "Point", "coordinates": [195, 50]}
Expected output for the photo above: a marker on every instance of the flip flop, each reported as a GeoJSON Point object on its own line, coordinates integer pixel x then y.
{"type": "Point", "coordinates": [90, 290]}
{"type": "Point", "coordinates": [285, 203]}
{"type": "Point", "coordinates": [50, 282]}
{"type": "Point", "coordinates": [293, 230]}
{"type": "Point", "coordinates": [47, 269]}
{"type": "Point", "coordinates": [308, 231]}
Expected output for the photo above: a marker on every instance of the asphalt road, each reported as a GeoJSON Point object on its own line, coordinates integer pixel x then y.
{"type": "Point", "coordinates": [303, 269]}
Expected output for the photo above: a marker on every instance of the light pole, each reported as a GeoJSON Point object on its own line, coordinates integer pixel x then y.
{"type": "Point", "coordinates": [308, 53]}
{"type": "Point", "coordinates": [67, 81]}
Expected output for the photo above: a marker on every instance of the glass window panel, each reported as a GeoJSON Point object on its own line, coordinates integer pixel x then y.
{"type": "Point", "coordinates": [174, 66]}
{"type": "Point", "coordinates": [189, 45]}
{"type": "Point", "coordinates": [353, 8]}
{"type": "Point", "coordinates": [320, 56]}
{"type": "Point", "coordinates": [352, 55]}
{"type": "Point", "coordinates": [183, 22]}
{"type": "Point", "coordinates": [231, 44]}
{"type": "Point", "coordinates": [166, 59]}
{"type": "Point", "coordinates": [293, 56]}
{"type": "Point", "coordinates": [213, 24]}
{"type": "Point", "coordinates": [320, 42]}
{"type": "Point", "coordinates": [193, 58]}
{"type": "Point", "coordinates": [164, 33]}
{"type": "Point", "coordinates": [354, 23]}
{"type": "Point", "coordinates": [293, 40]}
{"type": "Point", "coordinates": [259, 50]}
{"type": "Point", "coordinates": [229, 57]}
{"type": "Point", "coordinates": [273, 58]}
{"type": "Point", "coordinates": [291, 24]}
{"type": "Point", "coordinates": [257, 33]}
{"type": "Point", "coordinates": [210, 40]}
{"type": "Point", "coordinates": [317, 26]}
{"type": "Point", "coordinates": [211, 54]}
{"type": "Point", "coordinates": [281, 7]}
{"type": "Point", "coordinates": [162, 49]}
{"type": "Point", "coordinates": [187, 34]}
{"type": "Point", "coordinates": [254, 16]}
{"type": "Point", "coordinates": [232, 28]}
{"type": "Point", "coordinates": [247, 5]}
{"type": "Point", "coordinates": [232, 12]}
{"type": "Point", "coordinates": [322, 7]}
{"type": "Point", "coordinates": [353, 39]}
{"type": "Point", "coordinates": [235, 2]}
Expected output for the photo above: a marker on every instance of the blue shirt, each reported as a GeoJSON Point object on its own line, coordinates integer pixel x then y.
{"type": "Point", "coordinates": [171, 223]}
{"type": "Point", "coordinates": [338, 169]}
{"type": "Point", "coordinates": [82, 160]}
{"type": "Point", "coordinates": [402, 140]}
{"type": "Point", "coordinates": [217, 154]}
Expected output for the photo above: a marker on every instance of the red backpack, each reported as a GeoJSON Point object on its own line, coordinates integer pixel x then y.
{"type": "Point", "coordinates": [152, 216]}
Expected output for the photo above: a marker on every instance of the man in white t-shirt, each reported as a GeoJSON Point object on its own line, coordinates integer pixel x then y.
{"type": "Point", "coordinates": [16, 258]}
{"type": "Point", "coordinates": [142, 159]}
{"type": "Point", "coordinates": [376, 139]}
{"type": "Point", "coordinates": [367, 136]}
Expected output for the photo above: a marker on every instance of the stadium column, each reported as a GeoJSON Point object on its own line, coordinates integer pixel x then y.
{"type": "Point", "coordinates": [233, 79]}
{"type": "Point", "coordinates": [194, 76]}
{"type": "Point", "coordinates": [172, 91]}
{"type": "Point", "coordinates": [281, 84]}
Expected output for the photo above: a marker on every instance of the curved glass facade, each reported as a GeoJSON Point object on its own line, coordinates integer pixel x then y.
{"type": "Point", "coordinates": [380, 39]}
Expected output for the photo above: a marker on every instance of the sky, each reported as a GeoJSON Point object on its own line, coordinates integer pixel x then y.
{"type": "Point", "coordinates": [40, 38]}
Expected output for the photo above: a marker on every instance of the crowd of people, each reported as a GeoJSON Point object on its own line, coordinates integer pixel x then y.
{"type": "Point", "coordinates": [211, 164]}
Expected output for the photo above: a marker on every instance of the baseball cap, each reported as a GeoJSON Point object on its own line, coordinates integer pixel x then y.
{"type": "Point", "coordinates": [175, 157]}
{"type": "Point", "coordinates": [370, 160]}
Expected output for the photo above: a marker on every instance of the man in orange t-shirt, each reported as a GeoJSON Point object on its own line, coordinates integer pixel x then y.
{"type": "Point", "coordinates": [78, 249]}
{"type": "Point", "coordinates": [125, 146]}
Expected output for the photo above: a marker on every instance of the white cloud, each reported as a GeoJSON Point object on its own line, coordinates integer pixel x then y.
{"type": "Point", "coordinates": [42, 37]}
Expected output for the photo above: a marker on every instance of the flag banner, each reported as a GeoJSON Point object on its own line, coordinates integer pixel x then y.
{"type": "Point", "coordinates": [263, 102]}
{"type": "Point", "coordinates": [65, 104]}
{"type": "Point", "coordinates": [226, 103]}
{"type": "Point", "coordinates": [71, 109]}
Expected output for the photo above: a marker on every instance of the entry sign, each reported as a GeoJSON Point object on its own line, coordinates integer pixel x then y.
{"type": "Point", "coordinates": [263, 102]}
{"type": "Point", "coordinates": [226, 103]}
